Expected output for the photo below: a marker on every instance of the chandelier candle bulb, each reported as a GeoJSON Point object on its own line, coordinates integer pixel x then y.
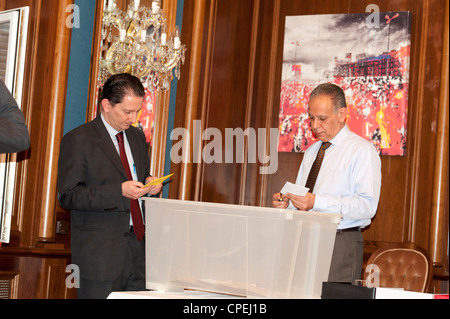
{"type": "Point", "coordinates": [143, 35]}
{"type": "Point", "coordinates": [163, 39]}
{"type": "Point", "coordinates": [136, 4]}
{"type": "Point", "coordinates": [155, 7]}
{"type": "Point", "coordinates": [123, 35]}
{"type": "Point", "coordinates": [176, 43]}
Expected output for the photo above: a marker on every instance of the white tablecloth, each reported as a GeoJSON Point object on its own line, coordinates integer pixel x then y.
{"type": "Point", "coordinates": [188, 294]}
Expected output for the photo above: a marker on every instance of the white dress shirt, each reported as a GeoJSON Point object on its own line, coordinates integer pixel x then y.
{"type": "Point", "coordinates": [112, 133]}
{"type": "Point", "coordinates": [349, 179]}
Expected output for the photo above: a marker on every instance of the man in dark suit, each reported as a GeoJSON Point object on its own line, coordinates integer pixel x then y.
{"type": "Point", "coordinates": [14, 136]}
{"type": "Point", "coordinates": [93, 184]}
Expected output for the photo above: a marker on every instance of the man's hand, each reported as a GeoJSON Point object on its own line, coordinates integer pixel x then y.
{"type": "Point", "coordinates": [302, 202]}
{"type": "Point", "coordinates": [152, 189]}
{"type": "Point", "coordinates": [280, 201]}
{"type": "Point", "coordinates": [133, 189]}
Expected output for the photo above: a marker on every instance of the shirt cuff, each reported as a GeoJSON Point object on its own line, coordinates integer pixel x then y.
{"type": "Point", "coordinates": [320, 204]}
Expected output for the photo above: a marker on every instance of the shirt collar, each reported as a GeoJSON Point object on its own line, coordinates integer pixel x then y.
{"type": "Point", "coordinates": [341, 135]}
{"type": "Point", "coordinates": [112, 131]}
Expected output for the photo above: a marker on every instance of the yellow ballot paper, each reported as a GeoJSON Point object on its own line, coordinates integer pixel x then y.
{"type": "Point", "coordinates": [158, 181]}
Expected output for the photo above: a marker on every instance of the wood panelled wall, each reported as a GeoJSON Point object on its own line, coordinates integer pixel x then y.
{"type": "Point", "coordinates": [34, 262]}
{"type": "Point", "coordinates": [232, 79]}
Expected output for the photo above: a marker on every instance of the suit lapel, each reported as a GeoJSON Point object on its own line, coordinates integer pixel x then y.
{"type": "Point", "coordinates": [105, 143]}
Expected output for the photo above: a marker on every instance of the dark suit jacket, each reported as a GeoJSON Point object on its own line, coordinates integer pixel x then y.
{"type": "Point", "coordinates": [90, 175]}
{"type": "Point", "coordinates": [14, 136]}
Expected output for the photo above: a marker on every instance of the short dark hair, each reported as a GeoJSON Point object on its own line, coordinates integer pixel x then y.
{"type": "Point", "coordinates": [335, 92]}
{"type": "Point", "coordinates": [118, 85]}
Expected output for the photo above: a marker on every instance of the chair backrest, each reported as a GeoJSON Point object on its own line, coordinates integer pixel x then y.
{"type": "Point", "coordinates": [403, 265]}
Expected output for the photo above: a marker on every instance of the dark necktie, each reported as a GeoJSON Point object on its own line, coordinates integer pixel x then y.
{"type": "Point", "coordinates": [136, 215]}
{"type": "Point", "coordinates": [316, 167]}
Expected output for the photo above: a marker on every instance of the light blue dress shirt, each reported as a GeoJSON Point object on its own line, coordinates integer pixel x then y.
{"type": "Point", "coordinates": [349, 179]}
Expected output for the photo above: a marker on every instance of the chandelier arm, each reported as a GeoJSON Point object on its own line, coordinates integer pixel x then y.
{"type": "Point", "coordinates": [165, 67]}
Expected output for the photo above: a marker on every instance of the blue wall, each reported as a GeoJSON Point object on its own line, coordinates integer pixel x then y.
{"type": "Point", "coordinates": [79, 66]}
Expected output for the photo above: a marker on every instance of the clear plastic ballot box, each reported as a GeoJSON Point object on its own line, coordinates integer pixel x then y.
{"type": "Point", "coordinates": [248, 251]}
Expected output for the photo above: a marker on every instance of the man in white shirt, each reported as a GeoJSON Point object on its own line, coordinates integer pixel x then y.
{"type": "Point", "coordinates": [348, 182]}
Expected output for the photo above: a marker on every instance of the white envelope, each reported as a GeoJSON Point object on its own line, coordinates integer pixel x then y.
{"type": "Point", "coordinates": [294, 189]}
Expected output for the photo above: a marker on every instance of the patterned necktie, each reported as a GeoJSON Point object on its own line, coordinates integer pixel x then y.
{"type": "Point", "coordinates": [316, 167]}
{"type": "Point", "coordinates": [136, 215]}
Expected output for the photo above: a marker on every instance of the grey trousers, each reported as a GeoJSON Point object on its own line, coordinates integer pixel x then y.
{"type": "Point", "coordinates": [347, 258]}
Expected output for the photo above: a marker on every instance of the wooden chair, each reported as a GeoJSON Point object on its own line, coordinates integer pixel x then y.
{"type": "Point", "coordinates": [403, 265]}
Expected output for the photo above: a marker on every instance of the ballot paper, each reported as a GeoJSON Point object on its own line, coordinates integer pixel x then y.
{"type": "Point", "coordinates": [158, 180]}
{"type": "Point", "coordinates": [294, 189]}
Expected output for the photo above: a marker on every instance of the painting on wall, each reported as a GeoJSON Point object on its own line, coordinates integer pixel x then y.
{"type": "Point", "coordinates": [368, 58]}
{"type": "Point", "coordinates": [146, 117]}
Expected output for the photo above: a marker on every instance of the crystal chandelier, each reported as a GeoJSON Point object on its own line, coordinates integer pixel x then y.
{"type": "Point", "coordinates": [142, 46]}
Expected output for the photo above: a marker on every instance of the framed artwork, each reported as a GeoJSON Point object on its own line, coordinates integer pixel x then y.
{"type": "Point", "coordinates": [13, 41]}
{"type": "Point", "coordinates": [146, 118]}
{"type": "Point", "coordinates": [368, 58]}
